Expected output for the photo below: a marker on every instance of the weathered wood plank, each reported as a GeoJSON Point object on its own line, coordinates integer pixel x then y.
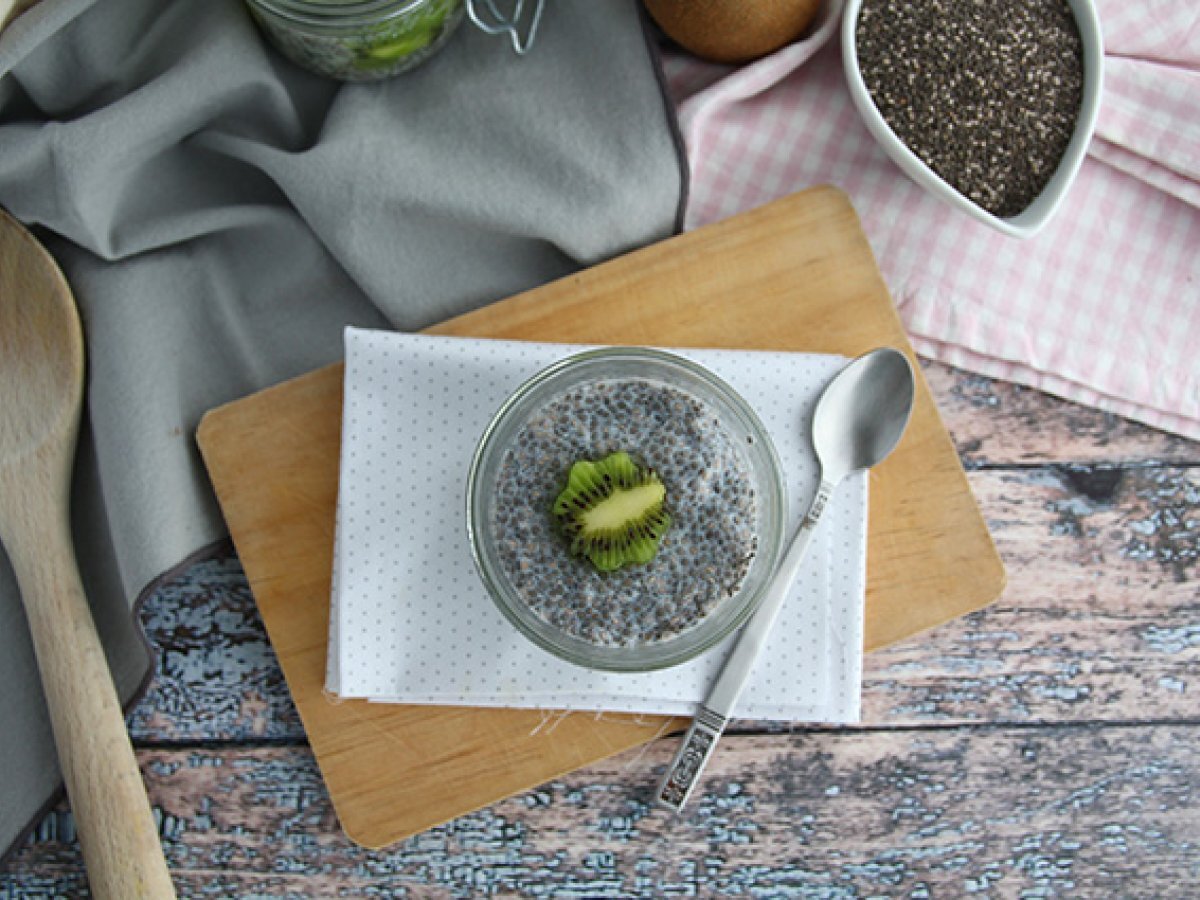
{"type": "Point", "coordinates": [966, 781]}
{"type": "Point", "coordinates": [217, 677]}
{"type": "Point", "coordinates": [1099, 621]}
{"type": "Point", "coordinates": [998, 423]}
{"type": "Point", "coordinates": [1082, 810]}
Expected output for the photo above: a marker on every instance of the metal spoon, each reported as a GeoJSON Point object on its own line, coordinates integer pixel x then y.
{"type": "Point", "coordinates": [858, 421]}
{"type": "Point", "coordinates": [41, 390]}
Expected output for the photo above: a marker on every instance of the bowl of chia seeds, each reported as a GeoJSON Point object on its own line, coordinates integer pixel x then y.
{"type": "Point", "coordinates": [988, 104]}
{"type": "Point", "coordinates": [626, 509]}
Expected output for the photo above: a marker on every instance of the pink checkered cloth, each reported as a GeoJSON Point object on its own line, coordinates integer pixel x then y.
{"type": "Point", "coordinates": [1102, 306]}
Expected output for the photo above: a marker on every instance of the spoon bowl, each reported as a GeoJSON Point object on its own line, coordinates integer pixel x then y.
{"type": "Point", "coordinates": [41, 393]}
{"type": "Point", "coordinates": [862, 413]}
{"type": "Point", "coordinates": [41, 349]}
{"type": "Point", "coordinates": [860, 417]}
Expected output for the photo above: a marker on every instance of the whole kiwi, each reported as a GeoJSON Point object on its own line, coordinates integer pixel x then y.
{"type": "Point", "coordinates": [733, 31]}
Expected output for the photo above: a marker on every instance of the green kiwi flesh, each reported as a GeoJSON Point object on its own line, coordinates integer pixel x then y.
{"type": "Point", "coordinates": [612, 511]}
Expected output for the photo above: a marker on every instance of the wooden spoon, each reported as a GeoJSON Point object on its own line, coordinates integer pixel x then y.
{"type": "Point", "coordinates": [41, 393]}
{"type": "Point", "coordinates": [10, 9]}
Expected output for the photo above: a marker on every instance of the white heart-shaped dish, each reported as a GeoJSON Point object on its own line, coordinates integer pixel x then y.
{"type": "Point", "coordinates": [1039, 211]}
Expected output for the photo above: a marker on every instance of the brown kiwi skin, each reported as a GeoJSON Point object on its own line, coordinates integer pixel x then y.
{"type": "Point", "coordinates": [733, 31]}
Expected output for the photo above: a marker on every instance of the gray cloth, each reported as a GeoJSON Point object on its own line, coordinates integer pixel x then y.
{"type": "Point", "coordinates": [221, 215]}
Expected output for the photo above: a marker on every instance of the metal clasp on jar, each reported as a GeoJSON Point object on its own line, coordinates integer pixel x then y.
{"type": "Point", "coordinates": [521, 24]}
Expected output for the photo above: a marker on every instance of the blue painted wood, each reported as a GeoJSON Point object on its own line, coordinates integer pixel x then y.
{"type": "Point", "coordinates": [1044, 746]}
{"type": "Point", "coordinates": [1059, 810]}
{"type": "Point", "coordinates": [216, 677]}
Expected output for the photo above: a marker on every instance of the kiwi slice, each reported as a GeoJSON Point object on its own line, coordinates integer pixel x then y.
{"type": "Point", "coordinates": [612, 511]}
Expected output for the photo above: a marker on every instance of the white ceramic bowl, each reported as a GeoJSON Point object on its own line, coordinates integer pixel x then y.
{"type": "Point", "coordinates": [1034, 216]}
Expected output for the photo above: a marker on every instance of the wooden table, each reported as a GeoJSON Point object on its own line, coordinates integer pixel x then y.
{"type": "Point", "coordinates": [1049, 745]}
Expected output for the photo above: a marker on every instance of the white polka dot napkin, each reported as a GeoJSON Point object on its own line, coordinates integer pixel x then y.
{"type": "Point", "coordinates": [411, 621]}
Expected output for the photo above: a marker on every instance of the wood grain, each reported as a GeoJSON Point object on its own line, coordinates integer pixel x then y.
{"type": "Point", "coordinates": [996, 423]}
{"type": "Point", "coordinates": [1088, 786]}
{"type": "Point", "coordinates": [1060, 811]}
{"type": "Point", "coordinates": [391, 769]}
{"type": "Point", "coordinates": [796, 274]}
{"type": "Point", "coordinates": [41, 393]}
{"type": "Point", "coordinates": [1044, 746]}
{"type": "Point", "coordinates": [1055, 647]}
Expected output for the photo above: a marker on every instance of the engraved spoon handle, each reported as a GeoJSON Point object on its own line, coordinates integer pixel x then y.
{"type": "Point", "coordinates": [709, 722]}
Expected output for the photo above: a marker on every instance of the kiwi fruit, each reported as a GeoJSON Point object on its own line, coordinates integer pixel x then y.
{"type": "Point", "coordinates": [612, 511]}
{"type": "Point", "coordinates": [733, 31]}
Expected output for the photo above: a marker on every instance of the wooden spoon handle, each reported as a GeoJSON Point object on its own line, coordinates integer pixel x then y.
{"type": "Point", "coordinates": [10, 9]}
{"type": "Point", "coordinates": [112, 813]}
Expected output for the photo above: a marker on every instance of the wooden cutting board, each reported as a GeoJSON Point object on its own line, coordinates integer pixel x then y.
{"type": "Point", "coordinates": [795, 275]}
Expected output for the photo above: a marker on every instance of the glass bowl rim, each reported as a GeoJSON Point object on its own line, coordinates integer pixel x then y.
{"type": "Point", "coordinates": [687, 645]}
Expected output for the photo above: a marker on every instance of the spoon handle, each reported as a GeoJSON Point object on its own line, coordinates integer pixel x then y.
{"type": "Point", "coordinates": [709, 722]}
{"type": "Point", "coordinates": [116, 827]}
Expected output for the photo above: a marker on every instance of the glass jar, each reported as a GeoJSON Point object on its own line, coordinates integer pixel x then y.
{"type": "Point", "coordinates": [739, 426]}
{"type": "Point", "coordinates": [358, 40]}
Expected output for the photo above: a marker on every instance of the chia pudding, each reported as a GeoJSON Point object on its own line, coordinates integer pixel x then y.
{"type": "Point", "coordinates": [703, 557]}
{"type": "Point", "coordinates": [986, 92]}
{"type": "Point", "coordinates": [353, 41]}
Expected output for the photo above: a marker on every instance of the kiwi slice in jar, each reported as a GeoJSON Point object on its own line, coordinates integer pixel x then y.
{"type": "Point", "coordinates": [612, 511]}
{"type": "Point", "coordinates": [393, 41]}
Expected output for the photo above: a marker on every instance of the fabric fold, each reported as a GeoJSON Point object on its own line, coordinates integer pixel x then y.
{"type": "Point", "coordinates": [1149, 125]}
{"type": "Point", "coordinates": [222, 215]}
{"type": "Point", "coordinates": [1102, 306]}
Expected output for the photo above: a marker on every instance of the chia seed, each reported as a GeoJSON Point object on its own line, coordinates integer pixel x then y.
{"type": "Point", "coordinates": [985, 92]}
{"type": "Point", "coordinates": [702, 559]}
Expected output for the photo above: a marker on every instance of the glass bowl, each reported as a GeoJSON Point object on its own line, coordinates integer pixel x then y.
{"type": "Point", "coordinates": [735, 423]}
